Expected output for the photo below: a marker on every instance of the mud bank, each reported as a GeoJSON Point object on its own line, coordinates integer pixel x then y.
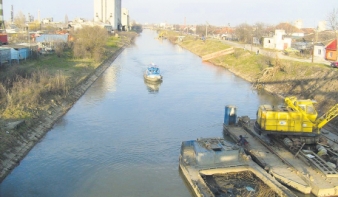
{"type": "Point", "coordinates": [44, 124]}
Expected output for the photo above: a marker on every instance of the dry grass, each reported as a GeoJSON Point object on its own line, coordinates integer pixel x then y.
{"type": "Point", "coordinates": [28, 93]}
{"type": "Point", "coordinates": [27, 88]}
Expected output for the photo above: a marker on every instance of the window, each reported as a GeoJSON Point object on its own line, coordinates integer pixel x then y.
{"type": "Point", "coordinates": [310, 110]}
{"type": "Point", "coordinates": [319, 52]}
{"type": "Point", "coordinates": [330, 54]}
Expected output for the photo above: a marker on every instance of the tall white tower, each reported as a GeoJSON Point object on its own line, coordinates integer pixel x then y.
{"type": "Point", "coordinates": [2, 21]}
{"type": "Point", "coordinates": [39, 16]}
{"type": "Point", "coordinates": [125, 19]}
{"type": "Point", "coordinates": [108, 11]}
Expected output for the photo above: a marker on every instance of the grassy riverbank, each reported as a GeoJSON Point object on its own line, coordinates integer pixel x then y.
{"type": "Point", "coordinates": [278, 76]}
{"type": "Point", "coordinates": [37, 92]}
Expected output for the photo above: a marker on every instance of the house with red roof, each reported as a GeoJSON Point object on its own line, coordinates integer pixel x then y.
{"type": "Point", "coordinates": [331, 51]}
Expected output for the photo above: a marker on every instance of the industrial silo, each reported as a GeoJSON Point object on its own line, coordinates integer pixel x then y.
{"type": "Point", "coordinates": [2, 21]}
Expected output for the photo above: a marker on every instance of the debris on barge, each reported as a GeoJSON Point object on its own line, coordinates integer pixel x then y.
{"type": "Point", "coordinates": [217, 167]}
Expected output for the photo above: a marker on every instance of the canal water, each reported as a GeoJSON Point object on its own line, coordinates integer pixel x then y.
{"type": "Point", "coordinates": [123, 136]}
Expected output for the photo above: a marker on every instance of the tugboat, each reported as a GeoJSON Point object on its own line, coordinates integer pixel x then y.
{"type": "Point", "coordinates": [153, 74]}
{"type": "Point", "coordinates": [217, 167]}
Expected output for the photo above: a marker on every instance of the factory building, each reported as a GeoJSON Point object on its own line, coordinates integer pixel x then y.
{"type": "Point", "coordinates": [109, 12]}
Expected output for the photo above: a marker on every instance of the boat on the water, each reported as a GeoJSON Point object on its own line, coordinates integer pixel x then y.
{"type": "Point", "coordinates": [217, 167]}
{"type": "Point", "coordinates": [153, 74]}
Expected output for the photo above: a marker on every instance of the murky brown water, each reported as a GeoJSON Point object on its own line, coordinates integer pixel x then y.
{"type": "Point", "coordinates": [123, 137]}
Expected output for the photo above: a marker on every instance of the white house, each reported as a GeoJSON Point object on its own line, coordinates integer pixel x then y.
{"type": "Point", "coordinates": [319, 50]}
{"type": "Point", "coordinates": [278, 41]}
{"type": "Point", "coordinates": [108, 12]}
{"type": "Point", "coordinates": [298, 34]}
{"type": "Point", "coordinates": [125, 19]}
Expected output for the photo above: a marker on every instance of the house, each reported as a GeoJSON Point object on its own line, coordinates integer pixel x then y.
{"type": "Point", "coordinates": [331, 51]}
{"type": "Point", "coordinates": [226, 33]}
{"type": "Point", "coordinates": [5, 55]}
{"type": "Point", "coordinates": [278, 41]}
{"type": "Point", "coordinates": [50, 40]}
{"type": "Point", "coordinates": [17, 52]}
{"type": "Point", "coordinates": [302, 45]}
{"type": "Point", "coordinates": [319, 50]}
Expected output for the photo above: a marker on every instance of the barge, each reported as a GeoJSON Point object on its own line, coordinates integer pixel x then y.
{"type": "Point", "coordinates": [217, 167]}
{"type": "Point", "coordinates": [301, 168]}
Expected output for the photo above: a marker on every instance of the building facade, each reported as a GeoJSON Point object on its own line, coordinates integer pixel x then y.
{"type": "Point", "coordinates": [278, 41]}
{"type": "Point", "coordinates": [125, 19]}
{"type": "Point", "coordinates": [319, 50]}
{"type": "Point", "coordinates": [331, 51]}
{"type": "Point", "coordinates": [109, 12]}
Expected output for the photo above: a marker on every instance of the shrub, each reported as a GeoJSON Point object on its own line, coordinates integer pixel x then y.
{"type": "Point", "coordinates": [90, 42]}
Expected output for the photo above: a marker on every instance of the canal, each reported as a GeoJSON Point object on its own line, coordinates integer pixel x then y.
{"type": "Point", "coordinates": [123, 136]}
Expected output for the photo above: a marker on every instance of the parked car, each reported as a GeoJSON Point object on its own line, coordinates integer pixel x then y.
{"type": "Point", "coordinates": [334, 64]}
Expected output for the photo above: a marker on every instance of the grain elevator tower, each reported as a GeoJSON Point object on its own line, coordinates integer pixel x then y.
{"type": "Point", "coordinates": [108, 11]}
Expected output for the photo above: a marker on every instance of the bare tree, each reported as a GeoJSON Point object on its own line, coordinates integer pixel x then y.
{"type": "Point", "coordinates": [261, 30]}
{"type": "Point", "coordinates": [244, 33]}
{"type": "Point", "coordinates": [289, 29]}
{"type": "Point", "coordinates": [34, 26]}
{"type": "Point", "coordinates": [333, 23]}
{"type": "Point", "coordinates": [20, 20]}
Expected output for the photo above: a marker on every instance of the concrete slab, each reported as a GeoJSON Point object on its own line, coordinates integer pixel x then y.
{"type": "Point", "coordinates": [269, 161]}
{"type": "Point", "coordinates": [284, 165]}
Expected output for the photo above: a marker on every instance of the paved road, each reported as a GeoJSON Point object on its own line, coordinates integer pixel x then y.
{"type": "Point", "coordinates": [273, 54]}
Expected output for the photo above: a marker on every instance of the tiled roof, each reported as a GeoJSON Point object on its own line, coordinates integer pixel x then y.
{"type": "Point", "coordinates": [332, 46]}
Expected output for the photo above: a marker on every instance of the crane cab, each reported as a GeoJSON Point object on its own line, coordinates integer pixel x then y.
{"type": "Point", "coordinates": [287, 120]}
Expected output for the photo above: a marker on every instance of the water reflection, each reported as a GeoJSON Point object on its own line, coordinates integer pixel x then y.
{"type": "Point", "coordinates": [104, 84]}
{"type": "Point", "coordinates": [152, 86]}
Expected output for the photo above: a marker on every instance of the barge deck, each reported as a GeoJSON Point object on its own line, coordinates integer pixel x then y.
{"type": "Point", "coordinates": [304, 170]}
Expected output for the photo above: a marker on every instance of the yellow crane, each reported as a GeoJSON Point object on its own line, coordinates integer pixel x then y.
{"type": "Point", "coordinates": [162, 34]}
{"type": "Point", "coordinates": [296, 117]}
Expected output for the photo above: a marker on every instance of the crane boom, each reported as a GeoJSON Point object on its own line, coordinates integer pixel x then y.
{"type": "Point", "coordinates": [327, 117]}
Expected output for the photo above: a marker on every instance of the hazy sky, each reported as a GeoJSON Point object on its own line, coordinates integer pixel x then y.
{"type": "Point", "coordinates": [215, 12]}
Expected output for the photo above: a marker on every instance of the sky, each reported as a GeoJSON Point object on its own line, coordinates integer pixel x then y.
{"type": "Point", "coordinates": [195, 12]}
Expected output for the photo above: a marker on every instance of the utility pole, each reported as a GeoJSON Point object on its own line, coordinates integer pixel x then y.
{"type": "Point", "coordinates": [12, 14]}
{"type": "Point", "coordinates": [185, 26]}
{"type": "Point", "coordinates": [313, 46]}
{"type": "Point", "coordinates": [206, 29]}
